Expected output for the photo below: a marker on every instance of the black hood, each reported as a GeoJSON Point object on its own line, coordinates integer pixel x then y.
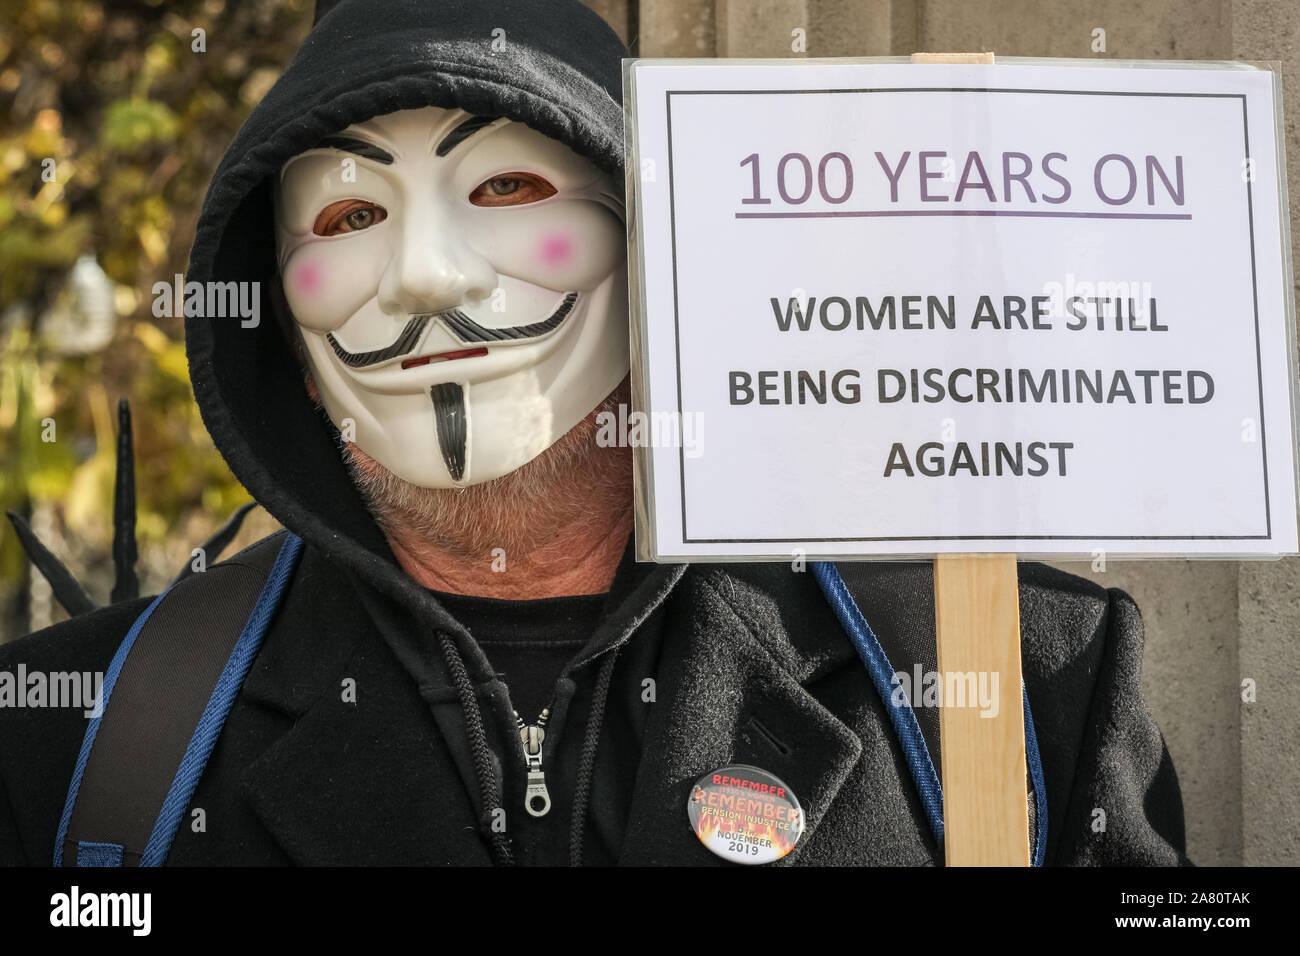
{"type": "Point", "coordinates": [552, 64]}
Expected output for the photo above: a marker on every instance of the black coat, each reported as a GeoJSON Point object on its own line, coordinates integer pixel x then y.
{"type": "Point", "coordinates": [749, 666]}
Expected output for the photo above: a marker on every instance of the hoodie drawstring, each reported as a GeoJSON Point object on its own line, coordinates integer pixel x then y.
{"type": "Point", "coordinates": [489, 786]}
{"type": "Point", "coordinates": [586, 766]}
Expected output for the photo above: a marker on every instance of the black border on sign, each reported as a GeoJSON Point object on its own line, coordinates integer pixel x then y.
{"type": "Point", "coordinates": [1254, 282]}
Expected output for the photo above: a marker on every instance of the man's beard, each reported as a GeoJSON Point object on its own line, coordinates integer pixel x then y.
{"type": "Point", "coordinates": [565, 489]}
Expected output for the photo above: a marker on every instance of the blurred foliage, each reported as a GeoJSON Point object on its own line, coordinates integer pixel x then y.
{"type": "Point", "coordinates": [113, 117]}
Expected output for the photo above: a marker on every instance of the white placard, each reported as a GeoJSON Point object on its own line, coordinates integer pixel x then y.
{"type": "Point", "coordinates": [904, 309]}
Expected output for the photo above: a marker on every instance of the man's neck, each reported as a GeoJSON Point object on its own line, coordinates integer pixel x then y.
{"type": "Point", "coordinates": [579, 560]}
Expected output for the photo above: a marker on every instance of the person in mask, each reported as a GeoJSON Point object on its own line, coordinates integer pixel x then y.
{"type": "Point", "coordinates": [451, 656]}
{"type": "Point", "coordinates": [457, 285]}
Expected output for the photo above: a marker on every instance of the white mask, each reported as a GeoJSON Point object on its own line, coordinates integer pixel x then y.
{"type": "Point", "coordinates": [460, 286]}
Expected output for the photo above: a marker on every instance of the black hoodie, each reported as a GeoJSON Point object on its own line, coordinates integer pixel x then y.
{"type": "Point", "coordinates": [689, 669]}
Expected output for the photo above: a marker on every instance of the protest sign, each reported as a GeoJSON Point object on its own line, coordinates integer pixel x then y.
{"type": "Point", "coordinates": [904, 309]}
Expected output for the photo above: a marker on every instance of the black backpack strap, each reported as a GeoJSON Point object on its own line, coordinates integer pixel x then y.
{"type": "Point", "coordinates": [902, 640]}
{"type": "Point", "coordinates": [165, 697]}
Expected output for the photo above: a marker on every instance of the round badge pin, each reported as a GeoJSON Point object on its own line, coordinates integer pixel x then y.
{"type": "Point", "coordinates": [745, 814]}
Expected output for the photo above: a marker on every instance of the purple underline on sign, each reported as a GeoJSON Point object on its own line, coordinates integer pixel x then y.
{"type": "Point", "coordinates": [898, 213]}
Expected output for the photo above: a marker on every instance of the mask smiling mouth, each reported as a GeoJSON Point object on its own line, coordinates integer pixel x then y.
{"type": "Point", "coordinates": [462, 327]}
{"type": "Point", "coordinates": [445, 357]}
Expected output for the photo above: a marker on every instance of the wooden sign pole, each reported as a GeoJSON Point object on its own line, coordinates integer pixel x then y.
{"type": "Point", "coordinates": [977, 622]}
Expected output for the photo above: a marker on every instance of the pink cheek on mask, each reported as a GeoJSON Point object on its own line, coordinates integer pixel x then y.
{"type": "Point", "coordinates": [557, 250]}
{"type": "Point", "coordinates": [308, 279]}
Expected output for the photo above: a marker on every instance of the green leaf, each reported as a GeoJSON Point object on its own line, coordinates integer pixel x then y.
{"type": "Point", "coordinates": [132, 124]}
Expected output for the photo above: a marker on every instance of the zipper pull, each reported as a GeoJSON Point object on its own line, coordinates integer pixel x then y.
{"type": "Point", "coordinates": [537, 801]}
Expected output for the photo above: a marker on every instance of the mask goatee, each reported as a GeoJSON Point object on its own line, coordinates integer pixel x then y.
{"type": "Point", "coordinates": [450, 417]}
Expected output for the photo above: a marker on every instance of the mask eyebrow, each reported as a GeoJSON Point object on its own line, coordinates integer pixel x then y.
{"type": "Point", "coordinates": [359, 146]}
{"type": "Point", "coordinates": [463, 132]}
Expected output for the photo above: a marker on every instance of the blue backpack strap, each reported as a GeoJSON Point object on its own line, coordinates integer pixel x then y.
{"type": "Point", "coordinates": [167, 693]}
{"type": "Point", "coordinates": [1035, 764]}
{"type": "Point", "coordinates": [918, 738]}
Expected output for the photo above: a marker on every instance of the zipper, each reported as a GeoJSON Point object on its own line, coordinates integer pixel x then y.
{"type": "Point", "coordinates": [537, 801]}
